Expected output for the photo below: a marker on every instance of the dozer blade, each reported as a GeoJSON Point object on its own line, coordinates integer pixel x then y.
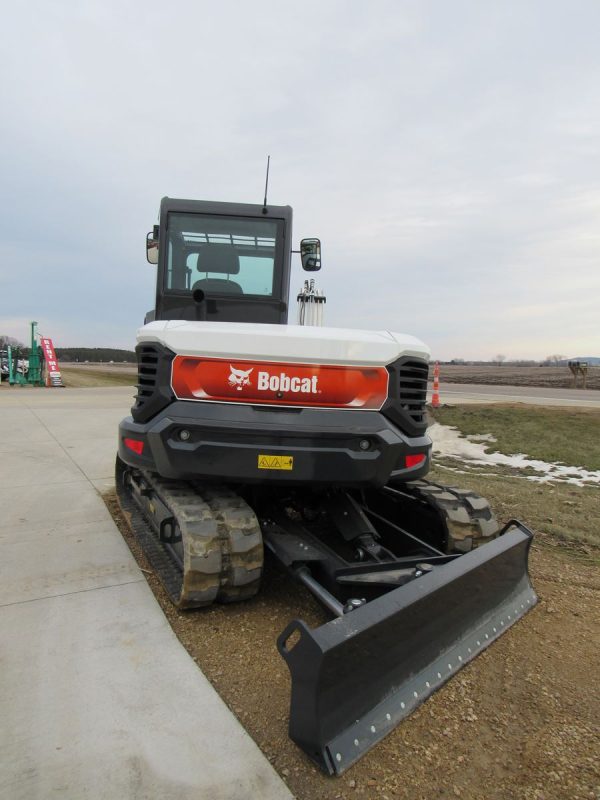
{"type": "Point", "coordinates": [356, 677]}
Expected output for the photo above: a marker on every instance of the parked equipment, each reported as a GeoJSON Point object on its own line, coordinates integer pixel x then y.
{"type": "Point", "coordinates": [310, 441]}
{"type": "Point", "coordinates": [26, 371]}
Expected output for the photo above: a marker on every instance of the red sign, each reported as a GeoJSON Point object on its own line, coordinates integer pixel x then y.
{"type": "Point", "coordinates": [53, 376]}
{"type": "Point", "coordinates": [268, 383]}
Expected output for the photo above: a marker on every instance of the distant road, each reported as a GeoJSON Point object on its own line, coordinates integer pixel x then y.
{"type": "Point", "coordinates": [462, 393]}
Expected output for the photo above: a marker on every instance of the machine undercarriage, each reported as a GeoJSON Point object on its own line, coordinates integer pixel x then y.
{"type": "Point", "coordinates": [414, 547]}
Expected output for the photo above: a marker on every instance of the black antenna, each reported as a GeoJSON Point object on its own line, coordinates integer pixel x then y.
{"type": "Point", "coordinates": [264, 211]}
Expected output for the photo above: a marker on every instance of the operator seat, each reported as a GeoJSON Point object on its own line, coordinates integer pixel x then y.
{"type": "Point", "coordinates": [218, 286]}
{"type": "Point", "coordinates": [220, 258]}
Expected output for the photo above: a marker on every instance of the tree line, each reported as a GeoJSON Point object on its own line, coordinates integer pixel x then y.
{"type": "Point", "coordinates": [94, 354]}
{"type": "Point", "coordinates": [82, 354]}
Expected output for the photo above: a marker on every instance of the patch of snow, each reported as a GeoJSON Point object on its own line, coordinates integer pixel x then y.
{"type": "Point", "coordinates": [448, 441]}
{"type": "Point", "coordinates": [481, 437]}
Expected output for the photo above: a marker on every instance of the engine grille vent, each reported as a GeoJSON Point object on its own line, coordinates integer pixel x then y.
{"type": "Point", "coordinates": [147, 358]}
{"type": "Point", "coordinates": [153, 381]}
{"type": "Point", "coordinates": [412, 388]}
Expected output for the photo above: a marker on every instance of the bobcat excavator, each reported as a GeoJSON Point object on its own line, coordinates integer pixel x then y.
{"type": "Point", "coordinates": [251, 435]}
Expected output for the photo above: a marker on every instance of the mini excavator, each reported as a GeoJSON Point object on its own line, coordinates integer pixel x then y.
{"type": "Point", "coordinates": [251, 435]}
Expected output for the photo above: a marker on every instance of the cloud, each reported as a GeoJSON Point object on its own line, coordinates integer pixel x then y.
{"type": "Point", "coordinates": [446, 154]}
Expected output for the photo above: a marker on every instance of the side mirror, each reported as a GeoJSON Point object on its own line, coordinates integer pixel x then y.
{"type": "Point", "coordinates": [310, 254]}
{"type": "Point", "coordinates": [152, 246]}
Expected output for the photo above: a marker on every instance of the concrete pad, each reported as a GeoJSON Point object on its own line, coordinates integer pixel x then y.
{"type": "Point", "coordinates": [9, 397]}
{"type": "Point", "coordinates": [45, 504]}
{"type": "Point", "coordinates": [19, 424]}
{"type": "Point", "coordinates": [35, 464]}
{"type": "Point", "coordinates": [115, 708]}
{"type": "Point", "coordinates": [103, 485]}
{"type": "Point", "coordinates": [49, 560]}
{"type": "Point", "coordinates": [82, 423]}
{"type": "Point", "coordinates": [98, 699]}
{"type": "Point", "coordinates": [32, 529]}
{"type": "Point", "coordinates": [97, 459]}
{"type": "Point", "coordinates": [99, 397]}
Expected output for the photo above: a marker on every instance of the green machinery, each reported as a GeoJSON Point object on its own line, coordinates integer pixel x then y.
{"type": "Point", "coordinates": [28, 371]}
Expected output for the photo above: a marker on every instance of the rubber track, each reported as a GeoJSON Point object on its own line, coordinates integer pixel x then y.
{"type": "Point", "coordinates": [469, 520]}
{"type": "Point", "coordinates": [220, 540]}
{"type": "Point", "coordinates": [241, 543]}
{"type": "Point", "coordinates": [160, 560]}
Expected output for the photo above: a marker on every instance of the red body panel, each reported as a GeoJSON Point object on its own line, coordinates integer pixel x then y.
{"type": "Point", "coordinates": [269, 383]}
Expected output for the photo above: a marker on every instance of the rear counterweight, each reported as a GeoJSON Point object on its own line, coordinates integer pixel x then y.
{"type": "Point", "coordinates": [239, 443]}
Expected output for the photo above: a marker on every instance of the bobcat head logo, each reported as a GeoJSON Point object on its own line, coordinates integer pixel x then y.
{"type": "Point", "coordinates": [239, 378]}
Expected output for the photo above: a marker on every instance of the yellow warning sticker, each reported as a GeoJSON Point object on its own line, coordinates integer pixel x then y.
{"type": "Point", "coordinates": [275, 462]}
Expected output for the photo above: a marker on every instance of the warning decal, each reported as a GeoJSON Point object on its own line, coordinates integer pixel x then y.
{"type": "Point", "coordinates": [275, 462]}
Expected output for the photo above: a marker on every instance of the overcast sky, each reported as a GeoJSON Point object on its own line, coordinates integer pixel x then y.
{"type": "Point", "coordinates": [446, 153]}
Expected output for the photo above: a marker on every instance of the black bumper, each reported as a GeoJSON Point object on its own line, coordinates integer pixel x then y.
{"type": "Point", "coordinates": [230, 441]}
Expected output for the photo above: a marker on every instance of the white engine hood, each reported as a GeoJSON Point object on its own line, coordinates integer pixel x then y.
{"type": "Point", "coordinates": [288, 343]}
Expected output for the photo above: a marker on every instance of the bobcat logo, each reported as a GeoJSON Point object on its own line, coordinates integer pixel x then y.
{"type": "Point", "coordinates": [239, 378]}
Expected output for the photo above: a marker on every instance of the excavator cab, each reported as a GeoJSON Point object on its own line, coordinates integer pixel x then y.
{"type": "Point", "coordinates": [222, 261]}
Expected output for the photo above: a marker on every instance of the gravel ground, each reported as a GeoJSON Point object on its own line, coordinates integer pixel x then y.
{"type": "Point", "coordinates": [521, 721]}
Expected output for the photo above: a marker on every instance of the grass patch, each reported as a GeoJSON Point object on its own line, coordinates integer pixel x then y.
{"type": "Point", "coordinates": [559, 512]}
{"type": "Point", "coordinates": [80, 378]}
{"type": "Point", "coordinates": [568, 435]}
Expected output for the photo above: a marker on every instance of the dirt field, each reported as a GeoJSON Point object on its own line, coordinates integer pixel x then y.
{"type": "Point", "coordinates": [77, 376]}
{"type": "Point", "coordinates": [101, 366]}
{"type": "Point", "coordinates": [516, 376]}
{"type": "Point", "coordinates": [521, 721]}
{"type": "Point", "coordinates": [81, 375]}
